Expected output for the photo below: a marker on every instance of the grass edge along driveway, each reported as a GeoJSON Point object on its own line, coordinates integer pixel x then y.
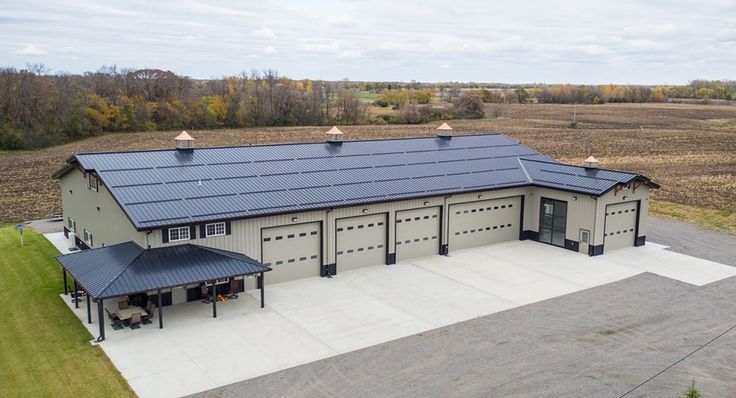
{"type": "Point", "coordinates": [44, 349]}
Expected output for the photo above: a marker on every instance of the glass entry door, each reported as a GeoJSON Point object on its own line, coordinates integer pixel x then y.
{"type": "Point", "coordinates": [553, 221]}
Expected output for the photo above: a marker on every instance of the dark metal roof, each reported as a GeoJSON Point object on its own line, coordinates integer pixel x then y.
{"type": "Point", "coordinates": [594, 181]}
{"type": "Point", "coordinates": [127, 268]}
{"type": "Point", "coordinates": [170, 187]}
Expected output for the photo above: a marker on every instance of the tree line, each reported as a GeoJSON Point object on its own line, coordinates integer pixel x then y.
{"type": "Point", "coordinates": [38, 109]}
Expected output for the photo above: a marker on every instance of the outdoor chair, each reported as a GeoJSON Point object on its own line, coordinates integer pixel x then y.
{"type": "Point", "coordinates": [150, 310]}
{"type": "Point", "coordinates": [117, 324]}
{"type": "Point", "coordinates": [233, 289]}
{"type": "Point", "coordinates": [122, 305]}
{"type": "Point", "coordinates": [135, 320]}
{"type": "Point", "coordinates": [205, 294]}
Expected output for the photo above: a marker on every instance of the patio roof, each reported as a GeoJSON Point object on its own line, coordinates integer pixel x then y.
{"type": "Point", "coordinates": [127, 268]}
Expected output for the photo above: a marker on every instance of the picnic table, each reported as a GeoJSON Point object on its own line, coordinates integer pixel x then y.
{"type": "Point", "coordinates": [127, 313]}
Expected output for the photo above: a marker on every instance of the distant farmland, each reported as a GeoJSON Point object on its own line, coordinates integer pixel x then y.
{"type": "Point", "coordinates": [689, 149]}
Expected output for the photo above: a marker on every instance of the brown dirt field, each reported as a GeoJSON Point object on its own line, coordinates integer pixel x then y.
{"type": "Point", "coordinates": [689, 149]}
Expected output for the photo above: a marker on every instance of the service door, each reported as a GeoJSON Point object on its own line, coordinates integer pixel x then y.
{"type": "Point", "coordinates": [620, 230]}
{"type": "Point", "coordinates": [292, 251]}
{"type": "Point", "coordinates": [361, 241]}
{"type": "Point", "coordinates": [484, 222]}
{"type": "Point", "coordinates": [417, 233]}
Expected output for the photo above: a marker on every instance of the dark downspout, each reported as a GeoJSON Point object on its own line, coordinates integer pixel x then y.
{"type": "Point", "coordinates": [89, 310]}
{"type": "Point", "coordinates": [76, 294]}
{"type": "Point", "coordinates": [66, 288]}
{"type": "Point", "coordinates": [100, 314]}
{"type": "Point", "coordinates": [160, 312]}
{"type": "Point", "coordinates": [263, 285]}
{"type": "Point", "coordinates": [214, 299]}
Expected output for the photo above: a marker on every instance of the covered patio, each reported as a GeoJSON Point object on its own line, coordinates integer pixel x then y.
{"type": "Point", "coordinates": [127, 270]}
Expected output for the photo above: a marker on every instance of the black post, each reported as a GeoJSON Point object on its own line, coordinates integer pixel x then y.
{"type": "Point", "coordinates": [101, 315]}
{"type": "Point", "coordinates": [160, 312]}
{"type": "Point", "coordinates": [66, 288]}
{"type": "Point", "coordinates": [214, 299]}
{"type": "Point", "coordinates": [76, 294]}
{"type": "Point", "coordinates": [263, 285]}
{"type": "Point", "coordinates": [89, 310]}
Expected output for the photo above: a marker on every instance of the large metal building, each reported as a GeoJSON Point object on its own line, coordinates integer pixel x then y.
{"type": "Point", "coordinates": [314, 209]}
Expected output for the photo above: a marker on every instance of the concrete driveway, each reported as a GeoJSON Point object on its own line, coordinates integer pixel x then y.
{"type": "Point", "coordinates": [316, 318]}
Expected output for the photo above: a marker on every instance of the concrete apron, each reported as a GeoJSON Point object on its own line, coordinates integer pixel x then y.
{"type": "Point", "coordinates": [315, 318]}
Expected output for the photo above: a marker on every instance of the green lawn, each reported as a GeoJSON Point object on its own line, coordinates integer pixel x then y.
{"type": "Point", "coordinates": [44, 349]}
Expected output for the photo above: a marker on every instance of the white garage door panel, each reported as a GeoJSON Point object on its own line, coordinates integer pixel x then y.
{"type": "Point", "coordinates": [292, 251]}
{"type": "Point", "coordinates": [484, 222]}
{"type": "Point", "coordinates": [417, 233]}
{"type": "Point", "coordinates": [361, 241]}
{"type": "Point", "coordinates": [620, 228]}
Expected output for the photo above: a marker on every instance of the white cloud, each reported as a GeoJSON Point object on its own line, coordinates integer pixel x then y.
{"type": "Point", "coordinates": [31, 50]}
{"type": "Point", "coordinates": [269, 50]}
{"type": "Point", "coordinates": [264, 33]}
{"type": "Point", "coordinates": [349, 54]}
{"type": "Point", "coordinates": [341, 21]}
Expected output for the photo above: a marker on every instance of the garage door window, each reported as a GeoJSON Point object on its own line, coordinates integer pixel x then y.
{"type": "Point", "coordinates": [552, 221]}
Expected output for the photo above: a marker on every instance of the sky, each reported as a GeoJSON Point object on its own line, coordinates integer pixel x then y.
{"type": "Point", "coordinates": [581, 42]}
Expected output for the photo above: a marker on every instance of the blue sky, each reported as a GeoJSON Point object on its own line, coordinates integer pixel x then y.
{"type": "Point", "coordinates": [491, 41]}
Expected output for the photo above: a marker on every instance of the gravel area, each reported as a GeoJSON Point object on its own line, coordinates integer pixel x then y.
{"type": "Point", "coordinates": [600, 342]}
{"type": "Point", "coordinates": [694, 240]}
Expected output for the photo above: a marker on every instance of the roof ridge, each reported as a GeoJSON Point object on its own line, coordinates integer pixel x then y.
{"type": "Point", "coordinates": [102, 291]}
{"type": "Point", "coordinates": [581, 167]}
{"type": "Point", "coordinates": [288, 143]}
{"type": "Point", "coordinates": [526, 173]}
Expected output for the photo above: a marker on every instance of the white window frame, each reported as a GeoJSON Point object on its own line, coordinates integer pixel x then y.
{"type": "Point", "coordinates": [88, 238]}
{"type": "Point", "coordinates": [92, 182]}
{"type": "Point", "coordinates": [181, 235]}
{"type": "Point", "coordinates": [218, 282]}
{"type": "Point", "coordinates": [215, 228]}
{"type": "Point", "coordinates": [71, 225]}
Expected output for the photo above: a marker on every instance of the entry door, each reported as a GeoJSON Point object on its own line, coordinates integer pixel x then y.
{"type": "Point", "coordinates": [417, 233]}
{"type": "Point", "coordinates": [361, 241]}
{"type": "Point", "coordinates": [553, 221]}
{"type": "Point", "coordinates": [292, 251]}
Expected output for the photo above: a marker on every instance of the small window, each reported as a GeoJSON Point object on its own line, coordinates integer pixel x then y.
{"type": "Point", "coordinates": [350, 251]}
{"type": "Point", "coordinates": [339, 229]}
{"type": "Point", "coordinates": [88, 237]}
{"type": "Point", "coordinates": [380, 223]}
{"type": "Point", "coordinates": [303, 234]}
{"type": "Point", "coordinates": [511, 205]}
{"type": "Point", "coordinates": [291, 260]}
{"type": "Point", "coordinates": [434, 216]}
{"type": "Point", "coordinates": [398, 221]}
{"type": "Point", "coordinates": [313, 233]}
{"type": "Point", "coordinates": [360, 226]}
{"type": "Point", "coordinates": [279, 262]}
{"type": "Point", "coordinates": [313, 256]}
{"type": "Point", "coordinates": [92, 182]}
{"type": "Point", "coordinates": [71, 224]}
{"type": "Point", "coordinates": [417, 218]}
{"type": "Point", "coordinates": [370, 225]}
{"type": "Point", "coordinates": [426, 217]}
{"type": "Point", "coordinates": [370, 247]}
{"type": "Point", "coordinates": [178, 234]}
{"type": "Point", "coordinates": [360, 249]}
{"type": "Point", "coordinates": [398, 243]}
{"type": "Point", "coordinates": [339, 253]}
{"type": "Point", "coordinates": [266, 239]}
{"type": "Point", "coordinates": [379, 246]}
{"type": "Point", "coordinates": [290, 236]}
{"type": "Point", "coordinates": [350, 228]}
{"type": "Point", "coordinates": [215, 229]}
{"type": "Point", "coordinates": [302, 259]}
{"type": "Point", "coordinates": [279, 238]}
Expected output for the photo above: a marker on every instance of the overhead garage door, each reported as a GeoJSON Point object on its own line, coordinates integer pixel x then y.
{"type": "Point", "coordinates": [361, 241]}
{"type": "Point", "coordinates": [484, 222]}
{"type": "Point", "coordinates": [417, 233]}
{"type": "Point", "coordinates": [292, 251]}
{"type": "Point", "coordinates": [620, 230]}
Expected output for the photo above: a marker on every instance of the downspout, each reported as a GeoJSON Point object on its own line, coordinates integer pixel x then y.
{"type": "Point", "coordinates": [328, 274]}
{"type": "Point", "coordinates": [446, 226]}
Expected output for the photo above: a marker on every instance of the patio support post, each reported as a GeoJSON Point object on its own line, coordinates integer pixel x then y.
{"type": "Point", "coordinates": [263, 285]}
{"type": "Point", "coordinates": [160, 312]}
{"type": "Point", "coordinates": [76, 294]}
{"type": "Point", "coordinates": [66, 288]}
{"type": "Point", "coordinates": [101, 315]}
{"type": "Point", "coordinates": [89, 310]}
{"type": "Point", "coordinates": [214, 299]}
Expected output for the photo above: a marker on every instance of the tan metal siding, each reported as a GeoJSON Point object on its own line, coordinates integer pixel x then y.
{"type": "Point", "coordinates": [580, 211]}
{"type": "Point", "coordinates": [109, 225]}
{"type": "Point", "coordinates": [641, 194]}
